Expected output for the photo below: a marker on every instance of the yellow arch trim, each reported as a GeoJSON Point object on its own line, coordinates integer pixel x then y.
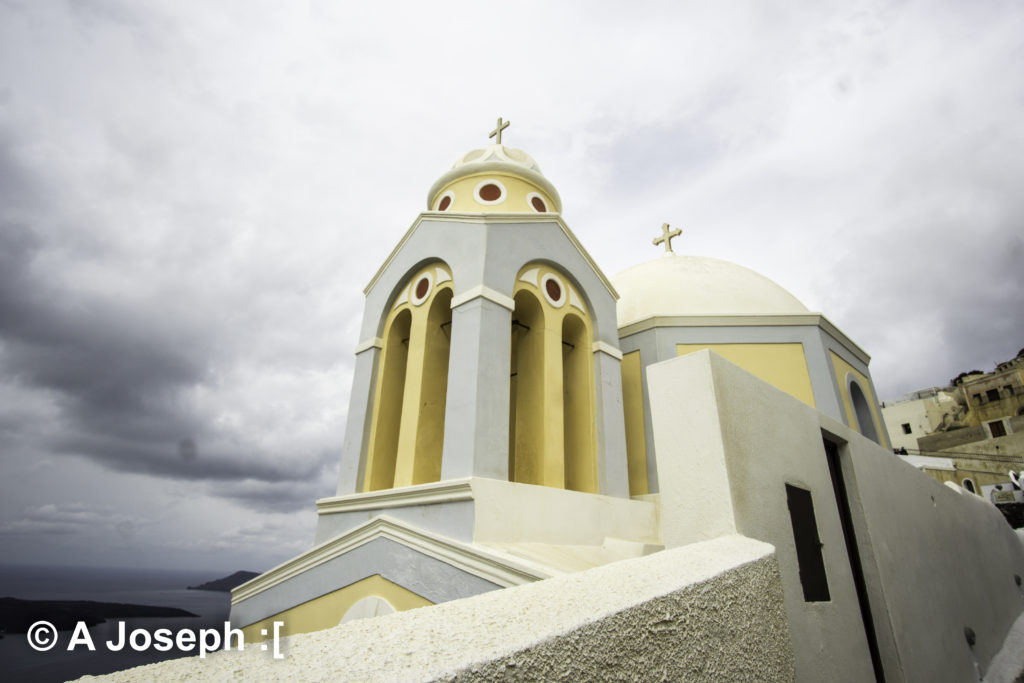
{"type": "Point", "coordinates": [844, 370]}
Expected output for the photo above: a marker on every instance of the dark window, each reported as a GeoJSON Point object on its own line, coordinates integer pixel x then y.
{"type": "Point", "coordinates": [997, 428]}
{"type": "Point", "coordinates": [969, 485]}
{"type": "Point", "coordinates": [808, 544]}
{"type": "Point", "coordinates": [1008, 390]}
{"type": "Point", "coordinates": [977, 398]}
{"type": "Point", "coordinates": [992, 394]}
{"type": "Point", "coordinates": [906, 427]}
{"type": "Point", "coordinates": [490, 192]}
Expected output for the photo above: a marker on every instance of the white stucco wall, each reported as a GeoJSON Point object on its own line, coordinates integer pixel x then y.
{"type": "Point", "coordinates": [708, 612]}
{"type": "Point", "coordinates": [935, 561]}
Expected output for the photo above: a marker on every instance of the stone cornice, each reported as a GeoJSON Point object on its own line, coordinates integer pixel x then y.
{"type": "Point", "coordinates": [422, 494]}
{"type": "Point", "coordinates": [605, 347]}
{"type": "Point", "coordinates": [499, 570]}
{"type": "Point", "coordinates": [482, 292]}
{"type": "Point", "coordinates": [807, 319]}
{"type": "Point", "coordinates": [485, 218]}
{"type": "Point", "coordinates": [365, 345]}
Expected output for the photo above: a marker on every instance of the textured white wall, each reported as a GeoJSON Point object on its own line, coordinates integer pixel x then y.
{"type": "Point", "coordinates": [935, 561]}
{"type": "Point", "coordinates": [708, 612]}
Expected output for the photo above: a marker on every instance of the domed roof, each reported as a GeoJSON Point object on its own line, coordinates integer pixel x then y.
{"type": "Point", "coordinates": [677, 285]}
{"type": "Point", "coordinates": [496, 159]}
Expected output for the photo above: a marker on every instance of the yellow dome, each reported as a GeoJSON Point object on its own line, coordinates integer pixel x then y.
{"type": "Point", "coordinates": [676, 285]}
{"type": "Point", "coordinates": [497, 179]}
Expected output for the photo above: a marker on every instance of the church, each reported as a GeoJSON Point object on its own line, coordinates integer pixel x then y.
{"type": "Point", "coordinates": [517, 415]}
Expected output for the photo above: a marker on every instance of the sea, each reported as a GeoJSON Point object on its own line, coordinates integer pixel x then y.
{"type": "Point", "coordinates": [164, 588]}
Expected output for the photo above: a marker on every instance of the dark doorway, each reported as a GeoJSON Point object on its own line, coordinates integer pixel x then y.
{"type": "Point", "coordinates": [835, 468]}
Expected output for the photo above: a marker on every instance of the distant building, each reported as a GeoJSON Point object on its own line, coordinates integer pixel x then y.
{"type": "Point", "coordinates": [919, 413]}
{"type": "Point", "coordinates": [970, 433]}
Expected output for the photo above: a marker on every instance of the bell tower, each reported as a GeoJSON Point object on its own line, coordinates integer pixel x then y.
{"type": "Point", "coordinates": [485, 444]}
{"type": "Point", "coordinates": [489, 344]}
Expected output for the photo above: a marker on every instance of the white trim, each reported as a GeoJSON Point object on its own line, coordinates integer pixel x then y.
{"type": "Point", "coordinates": [402, 298]}
{"type": "Point", "coordinates": [530, 277]}
{"type": "Point", "coordinates": [538, 195]}
{"type": "Point", "coordinates": [490, 202]}
{"type": "Point", "coordinates": [471, 559]}
{"type": "Point", "coordinates": [367, 344]}
{"type": "Point", "coordinates": [442, 276]}
{"type": "Point", "coordinates": [575, 300]}
{"type": "Point", "coordinates": [450, 195]}
{"type": "Point", "coordinates": [488, 218]}
{"type": "Point", "coordinates": [605, 347]}
{"type": "Point", "coordinates": [481, 291]}
{"type": "Point", "coordinates": [422, 494]}
{"type": "Point", "coordinates": [785, 319]}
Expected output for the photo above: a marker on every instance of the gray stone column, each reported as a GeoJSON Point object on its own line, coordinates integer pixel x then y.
{"type": "Point", "coordinates": [360, 414]}
{"type": "Point", "coordinates": [612, 468]}
{"type": "Point", "coordinates": [476, 410]}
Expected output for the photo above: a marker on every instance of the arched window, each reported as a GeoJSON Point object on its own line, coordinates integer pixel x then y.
{"type": "Point", "coordinates": [407, 429]}
{"type": "Point", "coordinates": [862, 409]}
{"type": "Point", "coordinates": [969, 484]}
{"type": "Point", "coordinates": [552, 440]}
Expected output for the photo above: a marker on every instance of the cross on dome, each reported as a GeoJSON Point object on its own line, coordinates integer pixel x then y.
{"type": "Point", "coordinates": [497, 131]}
{"type": "Point", "coordinates": [666, 237]}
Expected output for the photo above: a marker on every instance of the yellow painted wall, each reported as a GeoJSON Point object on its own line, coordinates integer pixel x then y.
{"type": "Point", "coordinates": [407, 427]}
{"type": "Point", "coordinates": [327, 610]}
{"type": "Point", "coordinates": [843, 370]}
{"type": "Point", "coordinates": [636, 436]}
{"type": "Point", "coordinates": [784, 366]}
{"type": "Point", "coordinates": [516, 197]}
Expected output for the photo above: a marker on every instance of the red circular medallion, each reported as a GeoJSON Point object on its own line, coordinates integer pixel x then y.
{"type": "Point", "coordinates": [554, 291]}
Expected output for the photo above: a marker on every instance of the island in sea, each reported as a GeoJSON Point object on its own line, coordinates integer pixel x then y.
{"type": "Point", "coordinates": [227, 583]}
{"type": "Point", "coordinates": [17, 615]}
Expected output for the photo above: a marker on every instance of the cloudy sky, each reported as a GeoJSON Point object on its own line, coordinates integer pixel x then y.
{"type": "Point", "coordinates": [193, 196]}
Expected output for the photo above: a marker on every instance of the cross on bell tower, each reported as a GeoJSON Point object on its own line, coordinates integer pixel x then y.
{"type": "Point", "coordinates": [497, 131]}
{"type": "Point", "coordinates": [666, 237]}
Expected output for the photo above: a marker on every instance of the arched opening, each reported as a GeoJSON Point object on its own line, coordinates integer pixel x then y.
{"type": "Point", "coordinates": [367, 608]}
{"type": "Point", "coordinates": [407, 428]}
{"type": "Point", "coordinates": [434, 390]}
{"type": "Point", "coordinates": [969, 484]}
{"type": "Point", "coordinates": [526, 391]}
{"type": "Point", "coordinates": [383, 447]}
{"type": "Point", "coordinates": [865, 420]}
{"type": "Point", "coordinates": [577, 406]}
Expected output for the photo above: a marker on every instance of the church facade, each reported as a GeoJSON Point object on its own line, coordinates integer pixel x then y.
{"type": "Point", "coordinates": [512, 413]}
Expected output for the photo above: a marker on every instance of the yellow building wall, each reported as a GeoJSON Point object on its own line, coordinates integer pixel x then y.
{"type": "Point", "coordinates": [843, 369]}
{"type": "Point", "coordinates": [517, 195]}
{"type": "Point", "coordinates": [327, 610]}
{"type": "Point", "coordinates": [784, 366]}
{"type": "Point", "coordinates": [636, 436]}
